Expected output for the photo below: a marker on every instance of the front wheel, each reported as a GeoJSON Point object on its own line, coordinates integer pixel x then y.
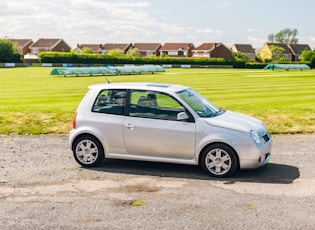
{"type": "Point", "coordinates": [88, 151]}
{"type": "Point", "coordinates": [219, 160]}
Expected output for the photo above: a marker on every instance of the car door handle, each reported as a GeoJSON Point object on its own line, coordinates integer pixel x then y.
{"type": "Point", "coordinates": [129, 126]}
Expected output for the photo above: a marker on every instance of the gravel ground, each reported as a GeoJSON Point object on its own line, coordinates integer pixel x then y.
{"type": "Point", "coordinates": [42, 187]}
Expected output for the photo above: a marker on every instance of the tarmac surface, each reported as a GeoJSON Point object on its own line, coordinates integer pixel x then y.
{"type": "Point", "coordinates": [42, 187]}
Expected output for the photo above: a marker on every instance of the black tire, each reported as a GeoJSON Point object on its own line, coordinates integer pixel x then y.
{"type": "Point", "coordinates": [88, 151]}
{"type": "Point", "coordinates": [219, 160]}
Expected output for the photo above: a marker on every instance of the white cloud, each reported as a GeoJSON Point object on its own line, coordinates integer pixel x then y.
{"type": "Point", "coordinates": [255, 42]}
{"type": "Point", "coordinates": [102, 21]}
{"type": "Point", "coordinates": [210, 31]}
{"type": "Point", "coordinates": [94, 21]}
{"type": "Point", "coordinates": [77, 21]}
{"type": "Point", "coordinates": [204, 31]}
{"type": "Point", "coordinates": [254, 30]}
{"type": "Point", "coordinates": [310, 40]}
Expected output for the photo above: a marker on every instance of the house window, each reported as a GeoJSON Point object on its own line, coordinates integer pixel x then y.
{"type": "Point", "coordinates": [36, 50]}
{"type": "Point", "coordinates": [149, 53]}
{"type": "Point", "coordinates": [47, 50]}
{"type": "Point", "coordinates": [173, 53]}
{"type": "Point", "coordinates": [206, 54]}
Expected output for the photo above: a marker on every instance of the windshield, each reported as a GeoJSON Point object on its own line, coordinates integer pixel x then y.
{"type": "Point", "coordinates": [202, 106]}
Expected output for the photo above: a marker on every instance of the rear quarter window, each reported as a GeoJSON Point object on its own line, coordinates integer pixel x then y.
{"type": "Point", "coordinates": [110, 101]}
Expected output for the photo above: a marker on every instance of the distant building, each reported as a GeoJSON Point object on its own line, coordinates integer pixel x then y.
{"type": "Point", "coordinates": [97, 48]}
{"type": "Point", "coordinates": [111, 46]}
{"type": "Point", "coordinates": [212, 50]}
{"type": "Point", "coordinates": [246, 49]}
{"type": "Point", "coordinates": [177, 49]}
{"type": "Point", "coordinates": [147, 49]}
{"type": "Point", "coordinates": [297, 50]}
{"type": "Point", "coordinates": [266, 53]}
{"type": "Point", "coordinates": [23, 44]}
{"type": "Point", "coordinates": [49, 45]}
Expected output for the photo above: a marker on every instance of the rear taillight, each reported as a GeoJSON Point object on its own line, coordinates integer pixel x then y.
{"type": "Point", "coordinates": [74, 121]}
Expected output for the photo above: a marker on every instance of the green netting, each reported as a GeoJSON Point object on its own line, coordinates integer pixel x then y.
{"type": "Point", "coordinates": [110, 70]}
{"type": "Point", "coordinates": [287, 66]}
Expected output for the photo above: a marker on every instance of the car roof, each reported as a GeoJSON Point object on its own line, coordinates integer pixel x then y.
{"type": "Point", "coordinates": [161, 87]}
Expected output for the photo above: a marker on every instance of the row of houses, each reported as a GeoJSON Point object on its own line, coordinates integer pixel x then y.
{"type": "Point", "coordinates": [292, 52]}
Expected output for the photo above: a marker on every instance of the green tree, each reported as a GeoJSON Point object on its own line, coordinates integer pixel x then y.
{"type": "Point", "coordinates": [164, 55]}
{"type": "Point", "coordinates": [87, 50]}
{"type": "Point", "coordinates": [73, 51]}
{"type": "Point", "coordinates": [285, 36]}
{"type": "Point", "coordinates": [309, 55]}
{"type": "Point", "coordinates": [273, 54]}
{"type": "Point", "coordinates": [133, 53]}
{"type": "Point", "coordinates": [118, 53]}
{"type": "Point", "coordinates": [9, 51]}
{"type": "Point", "coordinates": [239, 56]}
{"type": "Point", "coordinates": [276, 52]}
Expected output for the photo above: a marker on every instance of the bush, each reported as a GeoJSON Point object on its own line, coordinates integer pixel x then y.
{"type": "Point", "coordinates": [255, 65]}
{"type": "Point", "coordinates": [8, 52]}
{"type": "Point", "coordinates": [77, 58]}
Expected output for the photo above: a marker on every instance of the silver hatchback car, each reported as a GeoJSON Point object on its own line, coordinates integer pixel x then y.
{"type": "Point", "coordinates": [165, 123]}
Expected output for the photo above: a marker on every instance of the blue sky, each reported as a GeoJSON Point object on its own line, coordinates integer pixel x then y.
{"type": "Point", "coordinates": [198, 21]}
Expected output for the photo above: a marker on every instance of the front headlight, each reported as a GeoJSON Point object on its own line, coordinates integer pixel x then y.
{"type": "Point", "coordinates": [255, 136]}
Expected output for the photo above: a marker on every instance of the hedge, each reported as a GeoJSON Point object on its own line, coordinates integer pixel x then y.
{"type": "Point", "coordinates": [76, 58]}
{"type": "Point", "coordinates": [101, 59]}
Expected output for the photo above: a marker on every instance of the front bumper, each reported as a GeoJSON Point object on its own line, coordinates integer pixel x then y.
{"type": "Point", "coordinates": [255, 156]}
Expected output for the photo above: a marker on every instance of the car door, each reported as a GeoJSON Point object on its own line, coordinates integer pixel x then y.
{"type": "Point", "coordinates": [108, 114]}
{"type": "Point", "coordinates": [152, 128]}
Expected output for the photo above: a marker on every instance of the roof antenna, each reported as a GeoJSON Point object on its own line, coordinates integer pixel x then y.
{"type": "Point", "coordinates": [107, 80]}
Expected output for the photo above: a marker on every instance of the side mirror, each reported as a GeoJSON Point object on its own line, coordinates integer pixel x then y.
{"type": "Point", "coordinates": [182, 116]}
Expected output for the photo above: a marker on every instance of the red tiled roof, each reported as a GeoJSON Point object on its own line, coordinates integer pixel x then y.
{"type": "Point", "coordinates": [146, 46]}
{"type": "Point", "coordinates": [177, 46]}
{"type": "Point", "coordinates": [244, 48]}
{"type": "Point", "coordinates": [46, 42]}
{"type": "Point", "coordinates": [207, 46]}
{"type": "Point", "coordinates": [94, 47]}
{"type": "Point", "coordinates": [21, 42]}
{"type": "Point", "coordinates": [111, 46]}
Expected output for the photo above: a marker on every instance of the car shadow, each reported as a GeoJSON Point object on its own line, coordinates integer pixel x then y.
{"type": "Point", "coordinates": [271, 173]}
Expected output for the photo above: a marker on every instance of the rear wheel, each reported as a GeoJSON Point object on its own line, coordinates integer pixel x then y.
{"type": "Point", "coordinates": [88, 151]}
{"type": "Point", "coordinates": [219, 160]}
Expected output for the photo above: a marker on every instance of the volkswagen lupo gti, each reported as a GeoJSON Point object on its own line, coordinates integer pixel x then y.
{"type": "Point", "coordinates": [165, 123]}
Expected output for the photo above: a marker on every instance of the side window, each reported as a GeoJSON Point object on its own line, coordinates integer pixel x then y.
{"type": "Point", "coordinates": [155, 105]}
{"type": "Point", "coordinates": [111, 101]}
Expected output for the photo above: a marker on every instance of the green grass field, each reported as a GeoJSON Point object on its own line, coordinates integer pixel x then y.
{"type": "Point", "coordinates": [33, 102]}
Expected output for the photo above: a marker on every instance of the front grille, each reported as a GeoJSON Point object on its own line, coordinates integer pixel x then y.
{"type": "Point", "coordinates": [266, 137]}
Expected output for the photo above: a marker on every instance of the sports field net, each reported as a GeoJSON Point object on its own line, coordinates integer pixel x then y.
{"type": "Point", "coordinates": [108, 70]}
{"type": "Point", "coordinates": [286, 66]}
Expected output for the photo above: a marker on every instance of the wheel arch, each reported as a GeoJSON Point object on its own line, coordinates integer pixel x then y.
{"type": "Point", "coordinates": [86, 134]}
{"type": "Point", "coordinates": [214, 143]}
